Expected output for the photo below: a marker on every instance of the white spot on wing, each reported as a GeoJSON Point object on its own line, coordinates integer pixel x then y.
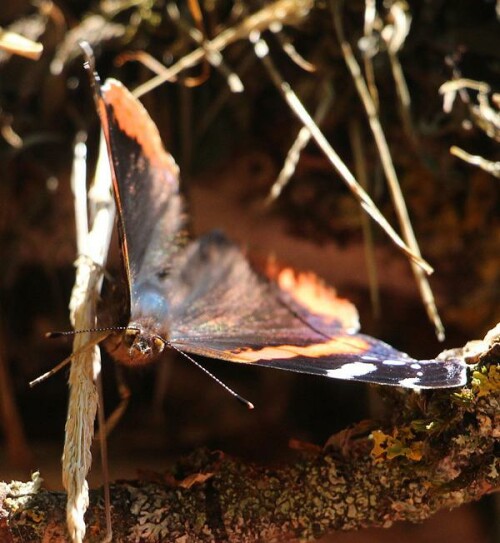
{"type": "Point", "coordinates": [410, 382]}
{"type": "Point", "coordinates": [369, 358]}
{"type": "Point", "coordinates": [351, 370]}
{"type": "Point", "coordinates": [395, 362]}
{"type": "Point", "coordinates": [416, 366]}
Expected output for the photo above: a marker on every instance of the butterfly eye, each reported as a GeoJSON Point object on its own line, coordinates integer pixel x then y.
{"type": "Point", "coordinates": [159, 344]}
{"type": "Point", "coordinates": [130, 335]}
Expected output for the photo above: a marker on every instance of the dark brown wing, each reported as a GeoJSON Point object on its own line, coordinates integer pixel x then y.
{"type": "Point", "coordinates": [151, 216]}
{"type": "Point", "coordinates": [205, 297]}
{"type": "Point", "coordinates": [221, 308]}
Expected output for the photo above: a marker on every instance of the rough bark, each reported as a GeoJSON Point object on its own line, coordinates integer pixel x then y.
{"type": "Point", "coordinates": [439, 450]}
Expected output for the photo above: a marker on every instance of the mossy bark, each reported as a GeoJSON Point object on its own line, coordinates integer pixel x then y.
{"type": "Point", "coordinates": [439, 450]}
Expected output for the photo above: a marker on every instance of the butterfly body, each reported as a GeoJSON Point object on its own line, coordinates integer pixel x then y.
{"type": "Point", "coordinates": [201, 296]}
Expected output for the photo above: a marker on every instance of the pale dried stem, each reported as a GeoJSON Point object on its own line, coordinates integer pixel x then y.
{"type": "Point", "coordinates": [303, 138]}
{"type": "Point", "coordinates": [487, 165]}
{"type": "Point", "coordinates": [404, 99]}
{"type": "Point", "coordinates": [83, 395]}
{"type": "Point", "coordinates": [284, 11]}
{"type": "Point", "coordinates": [362, 175]}
{"type": "Point", "coordinates": [19, 45]}
{"type": "Point", "coordinates": [291, 51]}
{"type": "Point", "coordinates": [214, 58]}
{"type": "Point", "coordinates": [370, 15]}
{"type": "Point", "coordinates": [390, 172]}
{"type": "Point", "coordinates": [395, 36]}
{"type": "Point", "coordinates": [364, 199]}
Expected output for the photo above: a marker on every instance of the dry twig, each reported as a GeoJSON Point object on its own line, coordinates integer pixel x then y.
{"type": "Point", "coordinates": [390, 172]}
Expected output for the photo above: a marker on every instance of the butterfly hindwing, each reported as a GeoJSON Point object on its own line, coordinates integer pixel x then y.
{"type": "Point", "coordinates": [222, 309]}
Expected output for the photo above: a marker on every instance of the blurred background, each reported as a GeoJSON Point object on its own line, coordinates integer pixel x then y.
{"type": "Point", "coordinates": [231, 131]}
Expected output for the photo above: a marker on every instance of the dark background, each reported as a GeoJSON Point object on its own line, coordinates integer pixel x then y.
{"type": "Point", "coordinates": [231, 148]}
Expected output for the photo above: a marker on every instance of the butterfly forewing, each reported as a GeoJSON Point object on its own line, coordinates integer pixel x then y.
{"type": "Point", "coordinates": [151, 216]}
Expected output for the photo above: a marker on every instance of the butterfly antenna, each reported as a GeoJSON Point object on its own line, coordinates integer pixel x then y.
{"type": "Point", "coordinates": [68, 359]}
{"type": "Point", "coordinates": [218, 381]}
{"type": "Point", "coordinates": [56, 334]}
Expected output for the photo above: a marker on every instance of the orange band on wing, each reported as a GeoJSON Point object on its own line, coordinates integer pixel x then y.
{"type": "Point", "coordinates": [351, 346]}
{"type": "Point", "coordinates": [311, 292]}
{"type": "Point", "coordinates": [133, 119]}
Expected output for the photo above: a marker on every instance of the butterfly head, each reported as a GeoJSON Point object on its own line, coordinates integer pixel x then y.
{"type": "Point", "coordinates": [141, 346]}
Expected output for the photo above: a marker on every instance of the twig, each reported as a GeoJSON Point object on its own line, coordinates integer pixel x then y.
{"type": "Point", "coordinates": [303, 138]}
{"type": "Point", "coordinates": [362, 175]}
{"type": "Point", "coordinates": [395, 36]}
{"type": "Point", "coordinates": [487, 165]}
{"type": "Point", "coordinates": [368, 53]}
{"type": "Point", "coordinates": [434, 453]}
{"type": "Point", "coordinates": [388, 166]}
{"type": "Point", "coordinates": [279, 11]}
{"type": "Point", "coordinates": [16, 44]}
{"type": "Point", "coordinates": [261, 50]}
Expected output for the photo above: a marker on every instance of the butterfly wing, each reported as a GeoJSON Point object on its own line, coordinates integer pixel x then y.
{"type": "Point", "coordinates": [223, 309]}
{"type": "Point", "coordinates": [151, 215]}
{"type": "Point", "coordinates": [204, 295]}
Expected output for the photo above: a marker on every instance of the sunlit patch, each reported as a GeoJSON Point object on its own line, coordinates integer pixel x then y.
{"type": "Point", "coordinates": [395, 362]}
{"type": "Point", "coordinates": [336, 346]}
{"type": "Point", "coordinates": [312, 293]}
{"type": "Point", "coordinates": [351, 370]}
{"type": "Point", "coordinates": [410, 382]}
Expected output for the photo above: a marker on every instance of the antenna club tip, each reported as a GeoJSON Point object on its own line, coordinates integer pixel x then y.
{"type": "Point", "coordinates": [244, 401]}
{"type": "Point", "coordinates": [51, 335]}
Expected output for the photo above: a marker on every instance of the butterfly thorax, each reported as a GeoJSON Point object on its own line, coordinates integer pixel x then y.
{"type": "Point", "coordinates": [147, 332]}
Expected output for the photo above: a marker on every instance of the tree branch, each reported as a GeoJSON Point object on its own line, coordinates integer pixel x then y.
{"type": "Point", "coordinates": [438, 450]}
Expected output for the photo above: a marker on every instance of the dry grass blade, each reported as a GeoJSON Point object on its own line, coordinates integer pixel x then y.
{"type": "Point", "coordinates": [19, 45]}
{"type": "Point", "coordinates": [303, 138]}
{"type": "Point", "coordinates": [261, 50]}
{"type": "Point", "coordinates": [362, 175]}
{"type": "Point", "coordinates": [291, 51]}
{"type": "Point", "coordinates": [484, 115]}
{"type": "Point", "coordinates": [368, 50]}
{"type": "Point", "coordinates": [390, 172]}
{"type": "Point", "coordinates": [280, 11]}
{"type": "Point", "coordinates": [83, 394]}
{"type": "Point", "coordinates": [395, 36]}
{"type": "Point", "coordinates": [476, 160]}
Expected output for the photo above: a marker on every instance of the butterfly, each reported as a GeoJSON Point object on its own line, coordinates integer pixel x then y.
{"type": "Point", "coordinates": [202, 297]}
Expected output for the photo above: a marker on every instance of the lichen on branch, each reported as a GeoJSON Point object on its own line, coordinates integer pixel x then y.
{"type": "Point", "coordinates": [437, 450]}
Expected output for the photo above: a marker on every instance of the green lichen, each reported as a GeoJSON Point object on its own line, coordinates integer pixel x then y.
{"type": "Point", "coordinates": [486, 380]}
{"type": "Point", "coordinates": [402, 443]}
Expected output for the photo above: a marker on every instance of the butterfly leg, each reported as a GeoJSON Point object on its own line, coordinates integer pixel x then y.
{"type": "Point", "coordinates": [124, 393]}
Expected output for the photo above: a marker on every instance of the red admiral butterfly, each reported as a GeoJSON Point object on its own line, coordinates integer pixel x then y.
{"type": "Point", "coordinates": [202, 296]}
